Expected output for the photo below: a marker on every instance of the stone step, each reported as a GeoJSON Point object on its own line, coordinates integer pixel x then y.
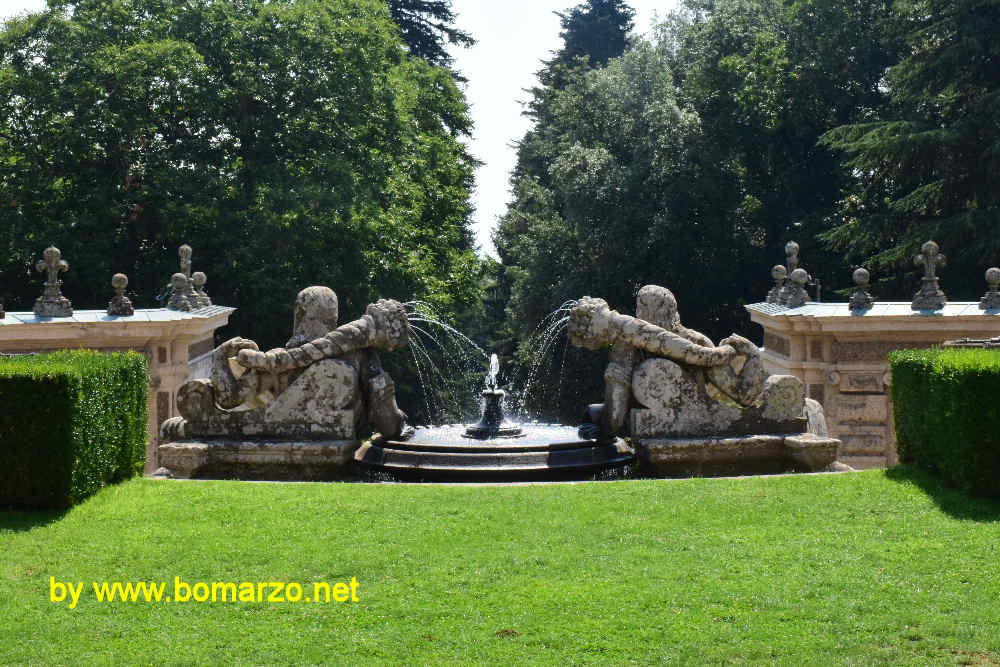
{"type": "Point", "coordinates": [493, 462]}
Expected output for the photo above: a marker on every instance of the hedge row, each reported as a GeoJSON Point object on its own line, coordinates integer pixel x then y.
{"type": "Point", "coordinates": [70, 422]}
{"type": "Point", "coordinates": [946, 406]}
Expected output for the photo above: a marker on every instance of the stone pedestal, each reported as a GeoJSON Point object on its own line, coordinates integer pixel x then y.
{"type": "Point", "coordinates": [736, 455]}
{"type": "Point", "coordinates": [842, 357]}
{"type": "Point", "coordinates": [683, 431]}
{"type": "Point", "coordinates": [321, 460]}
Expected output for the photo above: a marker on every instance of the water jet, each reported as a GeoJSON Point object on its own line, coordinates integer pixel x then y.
{"type": "Point", "coordinates": [492, 449]}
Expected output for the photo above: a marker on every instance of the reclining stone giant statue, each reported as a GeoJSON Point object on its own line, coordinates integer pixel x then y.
{"type": "Point", "coordinates": [671, 381]}
{"type": "Point", "coordinates": [327, 383]}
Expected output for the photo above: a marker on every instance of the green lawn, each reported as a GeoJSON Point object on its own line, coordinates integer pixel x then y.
{"type": "Point", "coordinates": [852, 568]}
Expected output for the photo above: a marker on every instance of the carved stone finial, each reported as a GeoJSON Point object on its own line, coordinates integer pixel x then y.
{"type": "Point", "coordinates": [797, 295]}
{"type": "Point", "coordinates": [780, 275]}
{"type": "Point", "coordinates": [991, 300]}
{"type": "Point", "coordinates": [52, 303]}
{"type": "Point", "coordinates": [861, 299]}
{"type": "Point", "coordinates": [198, 280]}
{"type": "Point", "coordinates": [179, 285]}
{"type": "Point", "coordinates": [120, 304]}
{"type": "Point", "coordinates": [930, 296]}
{"type": "Point", "coordinates": [184, 252]}
{"type": "Point", "coordinates": [792, 254]}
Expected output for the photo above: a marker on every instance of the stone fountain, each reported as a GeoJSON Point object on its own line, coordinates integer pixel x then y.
{"type": "Point", "coordinates": [493, 448]}
{"type": "Point", "coordinates": [301, 412]}
{"type": "Point", "coordinates": [492, 424]}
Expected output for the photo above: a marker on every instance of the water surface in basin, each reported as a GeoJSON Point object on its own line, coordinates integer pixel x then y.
{"type": "Point", "coordinates": [534, 436]}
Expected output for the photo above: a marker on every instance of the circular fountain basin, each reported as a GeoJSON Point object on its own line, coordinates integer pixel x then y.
{"type": "Point", "coordinates": [543, 451]}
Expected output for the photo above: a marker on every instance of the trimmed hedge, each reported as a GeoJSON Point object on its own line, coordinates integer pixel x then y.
{"type": "Point", "coordinates": [70, 422]}
{"type": "Point", "coordinates": [946, 406]}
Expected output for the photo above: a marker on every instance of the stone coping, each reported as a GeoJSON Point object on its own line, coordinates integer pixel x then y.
{"type": "Point", "coordinates": [142, 315]}
{"type": "Point", "coordinates": [880, 309]}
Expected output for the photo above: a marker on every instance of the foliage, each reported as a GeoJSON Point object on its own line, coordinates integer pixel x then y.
{"type": "Point", "coordinates": [688, 162]}
{"type": "Point", "coordinates": [427, 26]}
{"type": "Point", "coordinates": [537, 247]}
{"type": "Point", "coordinates": [596, 31]}
{"type": "Point", "coordinates": [70, 422]}
{"type": "Point", "coordinates": [767, 79]}
{"type": "Point", "coordinates": [646, 571]}
{"type": "Point", "coordinates": [289, 142]}
{"type": "Point", "coordinates": [946, 416]}
{"type": "Point", "coordinates": [929, 168]}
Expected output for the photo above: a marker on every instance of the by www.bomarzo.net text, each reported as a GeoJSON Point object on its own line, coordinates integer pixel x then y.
{"type": "Point", "coordinates": [70, 592]}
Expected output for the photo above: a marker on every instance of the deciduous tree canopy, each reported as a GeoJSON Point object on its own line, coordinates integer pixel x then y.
{"type": "Point", "coordinates": [289, 142]}
{"type": "Point", "coordinates": [689, 161]}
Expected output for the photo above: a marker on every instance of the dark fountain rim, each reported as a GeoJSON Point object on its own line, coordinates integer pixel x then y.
{"type": "Point", "coordinates": [500, 444]}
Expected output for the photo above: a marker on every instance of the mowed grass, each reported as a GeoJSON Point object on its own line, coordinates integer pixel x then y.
{"type": "Point", "coordinates": [851, 568]}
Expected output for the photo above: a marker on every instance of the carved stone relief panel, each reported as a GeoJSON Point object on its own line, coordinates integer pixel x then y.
{"type": "Point", "coordinates": [776, 344]}
{"type": "Point", "coordinates": [868, 383]}
{"type": "Point", "coordinates": [874, 350]}
{"type": "Point", "coordinates": [870, 408]}
{"type": "Point", "coordinates": [862, 439]}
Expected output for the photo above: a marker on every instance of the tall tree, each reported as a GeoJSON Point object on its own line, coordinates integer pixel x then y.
{"type": "Point", "coordinates": [596, 31]}
{"type": "Point", "coordinates": [767, 79]}
{"type": "Point", "coordinates": [593, 33]}
{"type": "Point", "coordinates": [290, 142]}
{"type": "Point", "coordinates": [427, 27]}
{"type": "Point", "coordinates": [689, 162]}
{"type": "Point", "coordinates": [930, 169]}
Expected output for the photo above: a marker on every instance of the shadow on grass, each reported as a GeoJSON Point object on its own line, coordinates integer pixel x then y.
{"type": "Point", "coordinates": [952, 501]}
{"type": "Point", "coordinates": [21, 520]}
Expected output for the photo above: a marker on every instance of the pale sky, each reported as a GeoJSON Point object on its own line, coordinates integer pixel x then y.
{"type": "Point", "coordinates": [513, 38]}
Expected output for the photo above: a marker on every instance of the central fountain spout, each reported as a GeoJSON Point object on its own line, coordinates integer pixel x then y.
{"type": "Point", "coordinates": [491, 424]}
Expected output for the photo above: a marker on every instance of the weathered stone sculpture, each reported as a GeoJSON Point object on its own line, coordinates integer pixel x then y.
{"type": "Point", "coordinates": [52, 303]}
{"type": "Point", "coordinates": [187, 294]}
{"type": "Point", "coordinates": [198, 280]}
{"type": "Point", "coordinates": [780, 275]}
{"type": "Point", "coordinates": [785, 290]}
{"type": "Point", "coordinates": [792, 255]}
{"type": "Point", "coordinates": [797, 295]}
{"type": "Point", "coordinates": [120, 304]}
{"type": "Point", "coordinates": [790, 283]}
{"type": "Point", "coordinates": [929, 296]}
{"type": "Point", "coordinates": [179, 288]}
{"type": "Point", "coordinates": [991, 300]}
{"type": "Point", "coordinates": [327, 384]}
{"type": "Point", "coordinates": [679, 391]}
{"type": "Point", "coordinates": [860, 298]}
{"type": "Point", "coordinates": [184, 254]}
{"type": "Point", "coordinates": [733, 369]}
